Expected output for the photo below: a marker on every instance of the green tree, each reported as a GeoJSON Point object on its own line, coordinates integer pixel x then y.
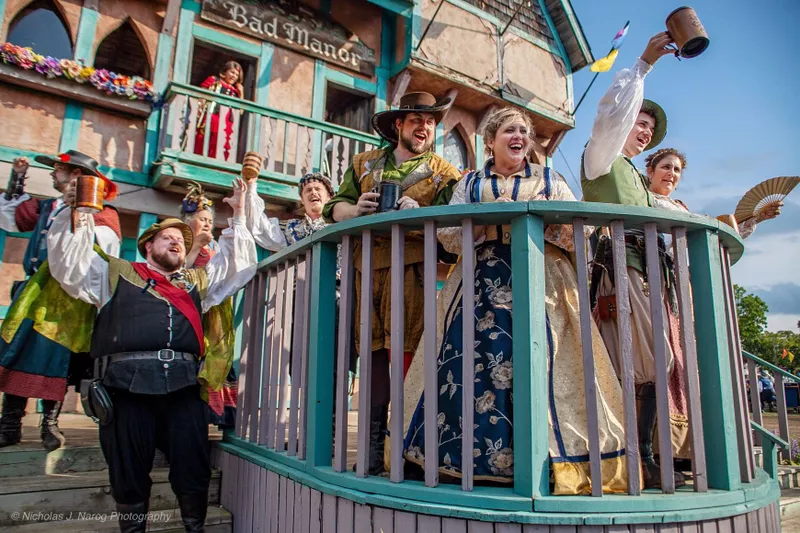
{"type": "Point", "coordinates": [773, 344]}
{"type": "Point", "coordinates": [752, 312]}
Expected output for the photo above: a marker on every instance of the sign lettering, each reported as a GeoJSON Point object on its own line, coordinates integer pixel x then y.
{"type": "Point", "coordinates": [298, 28]}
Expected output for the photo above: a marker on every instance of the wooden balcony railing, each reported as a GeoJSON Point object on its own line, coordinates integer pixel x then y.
{"type": "Point", "coordinates": [292, 145]}
{"type": "Point", "coordinates": [289, 331]}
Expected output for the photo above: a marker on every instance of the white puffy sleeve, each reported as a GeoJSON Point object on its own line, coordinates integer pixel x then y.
{"type": "Point", "coordinates": [266, 231]}
{"type": "Point", "coordinates": [73, 262]}
{"type": "Point", "coordinates": [451, 237]}
{"type": "Point", "coordinates": [747, 227]}
{"type": "Point", "coordinates": [616, 116]}
{"type": "Point", "coordinates": [7, 210]}
{"type": "Point", "coordinates": [107, 240]}
{"type": "Point", "coordinates": [232, 266]}
{"type": "Point", "coordinates": [562, 235]}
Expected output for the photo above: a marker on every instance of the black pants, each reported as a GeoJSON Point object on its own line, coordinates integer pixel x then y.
{"type": "Point", "coordinates": [174, 423]}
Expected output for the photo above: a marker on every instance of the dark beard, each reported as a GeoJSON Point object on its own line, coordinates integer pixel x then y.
{"type": "Point", "coordinates": [166, 262]}
{"type": "Point", "coordinates": [415, 147]}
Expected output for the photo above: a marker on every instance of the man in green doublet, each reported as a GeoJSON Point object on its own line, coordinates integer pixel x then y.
{"type": "Point", "coordinates": [627, 124]}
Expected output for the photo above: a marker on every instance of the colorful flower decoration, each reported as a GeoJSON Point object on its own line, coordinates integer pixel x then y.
{"type": "Point", "coordinates": [132, 87]}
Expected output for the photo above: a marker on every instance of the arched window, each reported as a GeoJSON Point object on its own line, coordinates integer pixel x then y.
{"type": "Point", "coordinates": [455, 150]}
{"type": "Point", "coordinates": [122, 52]}
{"type": "Point", "coordinates": [41, 27]}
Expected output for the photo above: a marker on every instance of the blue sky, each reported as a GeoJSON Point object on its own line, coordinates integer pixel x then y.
{"type": "Point", "coordinates": [734, 111]}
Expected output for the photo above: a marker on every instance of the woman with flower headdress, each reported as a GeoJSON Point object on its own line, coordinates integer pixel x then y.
{"type": "Point", "coordinates": [509, 177]}
{"type": "Point", "coordinates": [228, 83]}
{"type": "Point", "coordinates": [197, 212]}
{"type": "Point", "coordinates": [218, 373]}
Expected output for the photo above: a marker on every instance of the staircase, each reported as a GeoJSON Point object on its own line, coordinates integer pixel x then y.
{"type": "Point", "coordinates": [70, 486]}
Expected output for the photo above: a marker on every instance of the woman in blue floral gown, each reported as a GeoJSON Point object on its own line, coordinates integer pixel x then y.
{"type": "Point", "coordinates": [509, 177]}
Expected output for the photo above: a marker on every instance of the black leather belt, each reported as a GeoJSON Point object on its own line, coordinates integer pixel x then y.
{"type": "Point", "coordinates": [165, 355]}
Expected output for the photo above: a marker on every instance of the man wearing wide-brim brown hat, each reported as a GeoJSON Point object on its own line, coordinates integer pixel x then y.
{"type": "Point", "coordinates": [425, 179]}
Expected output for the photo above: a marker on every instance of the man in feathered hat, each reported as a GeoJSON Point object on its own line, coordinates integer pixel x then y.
{"type": "Point", "coordinates": [150, 333]}
{"type": "Point", "coordinates": [426, 180]}
{"type": "Point", "coordinates": [627, 124]}
{"type": "Point", "coordinates": [35, 360]}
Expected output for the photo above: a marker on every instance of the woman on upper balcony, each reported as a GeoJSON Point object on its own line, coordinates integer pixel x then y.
{"type": "Point", "coordinates": [228, 83]}
{"type": "Point", "coordinates": [664, 169]}
{"type": "Point", "coordinates": [509, 177]}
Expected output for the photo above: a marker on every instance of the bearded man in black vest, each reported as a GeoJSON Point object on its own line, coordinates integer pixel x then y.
{"type": "Point", "coordinates": [149, 331]}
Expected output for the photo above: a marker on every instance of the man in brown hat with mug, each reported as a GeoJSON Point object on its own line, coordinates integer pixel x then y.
{"type": "Point", "coordinates": [33, 363]}
{"type": "Point", "coordinates": [423, 179]}
{"type": "Point", "coordinates": [627, 124]}
{"type": "Point", "coordinates": [150, 332]}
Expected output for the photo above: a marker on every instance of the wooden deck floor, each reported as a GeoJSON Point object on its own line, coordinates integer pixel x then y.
{"type": "Point", "coordinates": [80, 431]}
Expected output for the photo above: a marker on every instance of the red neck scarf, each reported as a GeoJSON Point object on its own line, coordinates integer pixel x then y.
{"type": "Point", "coordinates": [179, 298]}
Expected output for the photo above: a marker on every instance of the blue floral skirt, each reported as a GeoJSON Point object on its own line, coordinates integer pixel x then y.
{"type": "Point", "coordinates": [493, 458]}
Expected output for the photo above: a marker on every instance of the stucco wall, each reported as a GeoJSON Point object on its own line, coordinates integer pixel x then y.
{"type": "Point", "coordinates": [460, 41]}
{"type": "Point", "coordinates": [114, 140]}
{"type": "Point", "coordinates": [291, 86]}
{"type": "Point", "coordinates": [536, 74]}
{"type": "Point", "coordinates": [69, 9]}
{"type": "Point", "coordinates": [31, 120]}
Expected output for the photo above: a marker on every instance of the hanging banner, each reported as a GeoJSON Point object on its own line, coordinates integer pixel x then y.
{"type": "Point", "coordinates": [296, 27]}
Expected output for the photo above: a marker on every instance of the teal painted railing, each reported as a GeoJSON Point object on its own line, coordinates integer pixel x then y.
{"type": "Point", "coordinates": [291, 333]}
{"type": "Point", "coordinates": [290, 144]}
{"type": "Point", "coordinates": [779, 375]}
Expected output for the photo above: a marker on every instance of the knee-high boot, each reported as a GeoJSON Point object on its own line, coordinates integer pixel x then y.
{"type": "Point", "coordinates": [11, 419]}
{"type": "Point", "coordinates": [194, 508]}
{"type": "Point", "coordinates": [646, 424]}
{"type": "Point", "coordinates": [52, 438]}
{"type": "Point", "coordinates": [133, 517]}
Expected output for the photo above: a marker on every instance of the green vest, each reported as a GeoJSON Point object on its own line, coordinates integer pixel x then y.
{"type": "Point", "coordinates": [623, 184]}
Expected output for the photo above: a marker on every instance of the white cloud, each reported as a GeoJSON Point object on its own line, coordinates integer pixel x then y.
{"type": "Point", "coordinates": [780, 322]}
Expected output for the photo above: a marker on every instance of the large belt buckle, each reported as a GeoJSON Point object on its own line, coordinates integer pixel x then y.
{"type": "Point", "coordinates": [166, 353]}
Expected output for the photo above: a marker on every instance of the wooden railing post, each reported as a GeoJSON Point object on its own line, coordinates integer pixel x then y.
{"type": "Point", "coordinates": [531, 454]}
{"type": "Point", "coordinates": [321, 355]}
{"type": "Point", "coordinates": [714, 362]}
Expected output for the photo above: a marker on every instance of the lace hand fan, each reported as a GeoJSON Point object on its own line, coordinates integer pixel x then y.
{"type": "Point", "coordinates": [764, 194]}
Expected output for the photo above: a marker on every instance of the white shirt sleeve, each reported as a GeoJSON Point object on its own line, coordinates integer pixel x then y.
{"type": "Point", "coordinates": [107, 240]}
{"type": "Point", "coordinates": [232, 266]}
{"type": "Point", "coordinates": [7, 210]}
{"type": "Point", "coordinates": [73, 262]}
{"type": "Point", "coordinates": [747, 227]}
{"type": "Point", "coordinates": [616, 116]}
{"type": "Point", "coordinates": [266, 231]}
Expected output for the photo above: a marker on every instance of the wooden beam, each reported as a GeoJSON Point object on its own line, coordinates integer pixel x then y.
{"type": "Point", "coordinates": [485, 114]}
{"type": "Point", "coordinates": [451, 94]}
{"type": "Point", "coordinates": [400, 87]}
{"type": "Point", "coordinates": [171, 16]}
{"type": "Point", "coordinates": [555, 140]}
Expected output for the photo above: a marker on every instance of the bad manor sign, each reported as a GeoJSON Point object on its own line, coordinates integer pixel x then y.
{"type": "Point", "coordinates": [293, 26]}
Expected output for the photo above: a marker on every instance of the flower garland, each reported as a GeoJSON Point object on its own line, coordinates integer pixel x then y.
{"type": "Point", "coordinates": [133, 87]}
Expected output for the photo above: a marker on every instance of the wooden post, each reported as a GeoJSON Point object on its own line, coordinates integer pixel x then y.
{"type": "Point", "coordinates": [531, 454]}
{"type": "Point", "coordinates": [321, 355]}
{"type": "Point", "coordinates": [714, 366]}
